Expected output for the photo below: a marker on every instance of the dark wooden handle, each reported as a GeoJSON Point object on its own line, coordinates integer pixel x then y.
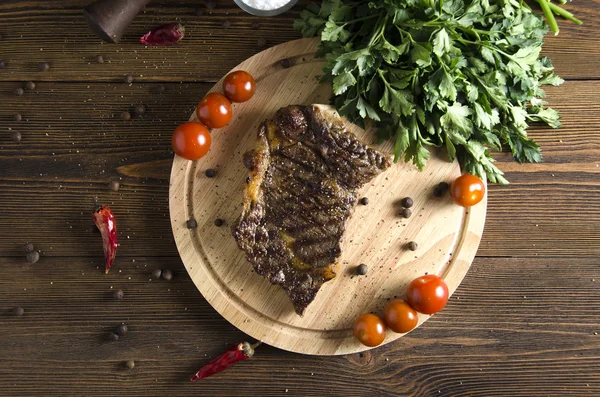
{"type": "Point", "coordinates": [110, 18]}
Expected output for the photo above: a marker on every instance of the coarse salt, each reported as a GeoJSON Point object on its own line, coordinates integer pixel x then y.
{"type": "Point", "coordinates": [266, 4]}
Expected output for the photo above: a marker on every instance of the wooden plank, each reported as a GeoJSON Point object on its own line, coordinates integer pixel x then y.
{"type": "Point", "coordinates": [517, 327]}
{"type": "Point", "coordinates": [57, 33]}
{"type": "Point", "coordinates": [88, 145]}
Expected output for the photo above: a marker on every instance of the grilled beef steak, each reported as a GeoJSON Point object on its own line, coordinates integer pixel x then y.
{"type": "Point", "coordinates": [304, 173]}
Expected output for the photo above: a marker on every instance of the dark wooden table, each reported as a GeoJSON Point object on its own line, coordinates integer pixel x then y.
{"type": "Point", "coordinates": [525, 321]}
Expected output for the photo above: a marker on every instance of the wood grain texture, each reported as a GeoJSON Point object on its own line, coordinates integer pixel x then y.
{"type": "Point", "coordinates": [523, 322]}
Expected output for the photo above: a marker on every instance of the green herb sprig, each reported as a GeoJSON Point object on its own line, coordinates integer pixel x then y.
{"type": "Point", "coordinates": [461, 74]}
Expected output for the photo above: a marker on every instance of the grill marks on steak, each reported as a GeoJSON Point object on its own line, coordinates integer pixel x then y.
{"type": "Point", "coordinates": [304, 173]}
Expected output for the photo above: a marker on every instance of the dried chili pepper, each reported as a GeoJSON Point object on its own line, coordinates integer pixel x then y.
{"type": "Point", "coordinates": [234, 354]}
{"type": "Point", "coordinates": [164, 35]}
{"type": "Point", "coordinates": [105, 221]}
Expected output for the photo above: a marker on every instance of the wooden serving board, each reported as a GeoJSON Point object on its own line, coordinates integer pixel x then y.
{"type": "Point", "coordinates": [447, 235]}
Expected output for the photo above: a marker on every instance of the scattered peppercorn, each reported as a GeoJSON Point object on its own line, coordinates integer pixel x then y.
{"type": "Point", "coordinates": [140, 109]}
{"type": "Point", "coordinates": [198, 11]}
{"type": "Point", "coordinates": [191, 224]}
{"type": "Point", "coordinates": [248, 179]}
{"type": "Point", "coordinates": [364, 201]}
{"type": "Point", "coordinates": [437, 192]}
{"type": "Point", "coordinates": [99, 59]}
{"type": "Point", "coordinates": [29, 247]}
{"type": "Point", "coordinates": [443, 186]}
{"type": "Point", "coordinates": [2, 64]}
{"type": "Point", "coordinates": [261, 42]}
{"type": "Point", "coordinates": [210, 173]}
{"type": "Point", "coordinates": [412, 246]}
{"type": "Point", "coordinates": [118, 295]}
{"type": "Point", "coordinates": [285, 63]}
{"type": "Point", "coordinates": [126, 116]}
{"type": "Point", "coordinates": [210, 4]}
{"type": "Point", "coordinates": [43, 66]}
{"type": "Point", "coordinates": [33, 257]}
{"type": "Point", "coordinates": [406, 213]}
{"type": "Point", "coordinates": [167, 274]}
{"type": "Point", "coordinates": [113, 336]}
{"type": "Point", "coordinates": [219, 222]}
{"type": "Point", "coordinates": [30, 85]}
{"type": "Point", "coordinates": [114, 186]}
{"type": "Point", "coordinates": [255, 25]}
{"type": "Point", "coordinates": [407, 202]}
{"type": "Point", "coordinates": [156, 273]}
{"type": "Point", "coordinates": [362, 269]}
{"type": "Point", "coordinates": [130, 364]}
{"type": "Point", "coordinates": [18, 117]}
{"type": "Point", "coordinates": [226, 24]}
{"type": "Point", "coordinates": [18, 311]}
{"type": "Point", "coordinates": [122, 330]}
{"type": "Point", "coordinates": [19, 91]}
{"type": "Point", "coordinates": [16, 136]}
{"type": "Point", "coordinates": [128, 79]}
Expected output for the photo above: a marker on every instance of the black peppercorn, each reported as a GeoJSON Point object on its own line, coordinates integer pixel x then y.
{"type": "Point", "coordinates": [437, 192]}
{"type": "Point", "coordinates": [43, 66]}
{"type": "Point", "coordinates": [113, 336]}
{"type": "Point", "coordinates": [118, 295]}
{"type": "Point", "coordinates": [219, 222]}
{"type": "Point", "coordinates": [210, 173]}
{"type": "Point", "coordinates": [362, 269]}
{"type": "Point", "coordinates": [156, 273]}
{"type": "Point", "coordinates": [126, 116]}
{"type": "Point", "coordinates": [114, 186]}
{"type": "Point", "coordinates": [191, 224]}
{"type": "Point", "coordinates": [140, 109]}
{"type": "Point", "coordinates": [167, 274]}
{"type": "Point", "coordinates": [248, 179]}
{"type": "Point", "coordinates": [364, 201]}
{"type": "Point", "coordinates": [99, 59]}
{"type": "Point", "coordinates": [412, 246]}
{"type": "Point", "coordinates": [130, 364]}
{"type": "Point", "coordinates": [226, 24]}
{"type": "Point", "coordinates": [19, 91]}
{"type": "Point", "coordinates": [18, 117]}
{"type": "Point", "coordinates": [122, 330]}
{"type": "Point", "coordinates": [261, 42]}
{"type": "Point", "coordinates": [443, 186]}
{"type": "Point", "coordinates": [406, 213]}
{"type": "Point", "coordinates": [30, 85]}
{"type": "Point", "coordinates": [33, 257]}
{"type": "Point", "coordinates": [285, 63]}
{"type": "Point", "coordinates": [18, 311]}
{"type": "Point", "coordinates": [407, 202]}
{"type": "Point", "coordinates": [128, 79]}
{"type": "Point", "coordinates": [16, 136]}
{"type": "Point", "coordinates": [29, 247]}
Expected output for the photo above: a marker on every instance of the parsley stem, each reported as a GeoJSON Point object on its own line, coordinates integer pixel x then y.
{"type": "Point", "coordinates": [564, 13]}
{"type": "Point", "coordinates": [545, 5]}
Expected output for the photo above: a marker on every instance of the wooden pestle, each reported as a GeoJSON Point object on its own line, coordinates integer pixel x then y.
{"type": "Point", "coordinates": [110, 18]}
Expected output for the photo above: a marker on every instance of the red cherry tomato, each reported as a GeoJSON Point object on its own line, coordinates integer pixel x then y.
{"type": "Point", "coordinates": [427, 294]}
{"type": "Point", "coordinates": [369, 329]}
{"type": "Point", "coordinates": [400, 317]}
{"type": "Point", "coordinates": [467, 190]}
{"type": "Point", "coordinates": [239, 86]}
{"type": "Point", "coordinates": [214, 110]}
{"type": "Point", "coordinates": [191, 140]}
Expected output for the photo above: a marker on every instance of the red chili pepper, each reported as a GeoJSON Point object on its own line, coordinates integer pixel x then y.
{"type": "Point", "coordinates": [234, 354]}
{"type": "Point", "coordinates": [105, 221]}
{"type": "Point", "coordinates": [164, 35]}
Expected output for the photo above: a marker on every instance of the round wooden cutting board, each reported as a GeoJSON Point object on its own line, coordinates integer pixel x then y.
{"type": "Point", "coordinates": [447, 235]}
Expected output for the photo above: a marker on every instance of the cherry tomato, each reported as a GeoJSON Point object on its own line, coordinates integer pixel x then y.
{"type": "Point", "coordinates": [427, 294]}
{"type": "Point", "coordinates": [369, 329]}
{"type": "Point", "coordinates": [214, 110]}
{"type": "Point", "coordinates": [239, 86]}
{"type": "Point", "coordinates": [467, 190]}
{"type": "Point", "coordinates": [400, 317]}
{"type": "Point", "coordinates": [191, 140]}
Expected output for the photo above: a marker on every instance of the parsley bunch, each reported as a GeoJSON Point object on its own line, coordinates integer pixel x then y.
{"type": "Point", "coordinates": [463, 74]}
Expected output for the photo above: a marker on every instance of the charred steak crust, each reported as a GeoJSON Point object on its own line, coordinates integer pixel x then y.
{"type": "Point", "coordinates": [304, 173]}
